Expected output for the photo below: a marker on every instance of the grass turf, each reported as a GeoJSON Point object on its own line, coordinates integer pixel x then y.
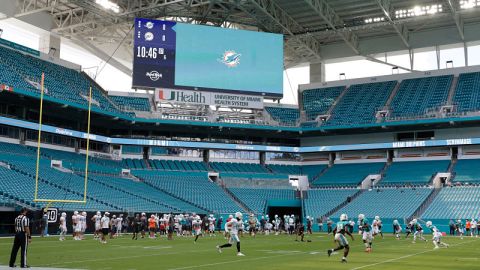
{"type": "Point", "coordinates": [263, 252]}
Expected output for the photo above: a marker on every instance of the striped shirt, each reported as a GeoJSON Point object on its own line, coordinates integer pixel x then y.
{"type": "Point", "coordinates": [21, 223]}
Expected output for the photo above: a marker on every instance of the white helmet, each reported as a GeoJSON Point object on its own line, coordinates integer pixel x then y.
{"type": "Point", "coordinates": [107, 213]}
{"type": "Point", "coordinates": [276, 216]}
{"type": "Point", "coordinates": [114, 216]}
{"type": "Point", "coordinates": [308, 217]}
{"type": "Point", "coordinates": [152, 216]}
{"type": "Point", "coordinates": [395, 221]}
{"type": "Point", "coordinates": [429, 224]}
{"type": "Point", "coordinates": [377, 217]}
{"type": "Point", "coordinates": [239, 215]}
{"type": "Point", "coordinates": [84, 213]}
{"type": "Point", "coordinates": [292, 216]}
{"type": "Point", "coordinates": [98, 213]}
{"type": "Point", "coordinates": [64, 214]}
{"type": "Point", "coordinates": [75, 213]}
{"type": "Point", "coordinates": [414, 221]}
{"type": "Point", "coordinates": [230, 216]}
{"type": "Point", "coordinates": [211, 215]}
{"type": "Point", "coordinates": [143, 214]}
{"type": "Point", "coordinates": [361, 216]}
{"type": "Point", "coordinates": [343, 217]}
{"type": "Point", "coordinates": [459, 221]}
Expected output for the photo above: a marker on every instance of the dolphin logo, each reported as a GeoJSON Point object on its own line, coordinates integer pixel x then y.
{"type": "Point", "coordinates": [230, 58]}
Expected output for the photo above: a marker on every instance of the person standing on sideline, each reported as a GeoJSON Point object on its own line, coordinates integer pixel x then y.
{"type": "Point", "coordinates": [22, 239]}
{"type": "Point", "coordinates": [451, 225]}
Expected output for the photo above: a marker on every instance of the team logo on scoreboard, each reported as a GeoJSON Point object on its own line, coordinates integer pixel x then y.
{"type": "Point", "coordinates": [148, 36]}
{"type": "Point", "coordinates": [153, 75]}
{"type": "Point", "coordinates": [149, 25]}
{"type": "Point", "coordinates": [230, 58]}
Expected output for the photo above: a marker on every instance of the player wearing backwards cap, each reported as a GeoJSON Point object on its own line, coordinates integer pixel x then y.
{"type": "Point", "coordinates": [105, 223]}
{"type": "Point", "coordinates": [339, 231]}
{"type": "Point", "coordinates": [235, 224]}
{"type": "Point", "coordinates": [366, 232]}
{"type": "Point", "coordinates": [96, 219]}
{"type": "Point", "coordinates": [437, 235]}
{"type": "Point", "coordinates": [63, 226]}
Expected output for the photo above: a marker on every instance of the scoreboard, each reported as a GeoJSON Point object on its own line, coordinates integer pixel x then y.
{"type": "Point", "coordinates": [195, 57]}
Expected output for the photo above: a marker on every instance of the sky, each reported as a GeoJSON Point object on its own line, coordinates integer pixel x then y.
{"type": "Point", "coordinates": [113, 80]}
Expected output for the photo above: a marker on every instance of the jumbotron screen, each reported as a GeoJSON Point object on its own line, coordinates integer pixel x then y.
{"type": "Point", "coordinates": [195, 57]}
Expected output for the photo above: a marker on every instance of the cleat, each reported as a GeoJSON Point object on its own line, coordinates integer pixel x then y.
{"type": "Point", "coordinates": [329, 252]}
{"type": "Point", "coordinates": [344, 260]}
{"type": "Point", "coordinates": [219, 249]}
{"type": "Point", "coordinates": [240, 254]}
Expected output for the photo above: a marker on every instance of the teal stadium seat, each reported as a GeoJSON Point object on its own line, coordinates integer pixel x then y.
{"type": "Point", "coordinates": [416, 96]}
{"type": "Point", "coordinates": [360, 104]}
{"type": "Point", "coordinates": [318, 101]}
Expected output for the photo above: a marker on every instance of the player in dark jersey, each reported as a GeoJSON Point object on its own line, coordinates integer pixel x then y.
{"type": "Point", "coordinates": [300, 231]}
{"type": "Point", "coordinates": [136, 225]}
{"type": "Point", "coordinates": [339, 231]}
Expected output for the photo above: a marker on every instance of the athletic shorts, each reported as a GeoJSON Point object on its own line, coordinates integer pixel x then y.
{"type": "Point", "coordinates": [341, 239]}
{"type": "Point", "coordinates": [152, 229]}
{"type": "Point", "coordinates": [233, 238]}
{"type": "Point", "coordinates": [105, 231]}
{"type": "Point", "coordinates": [98, 227]}
{"type": "Point", "coordinates": [78, 228]}
{"type": "Point", "coordinates": [437, 236]}
{"type": "Point", "coordinates": [367, 236]}
{"type": "Point", "coordinates": [198, 232]}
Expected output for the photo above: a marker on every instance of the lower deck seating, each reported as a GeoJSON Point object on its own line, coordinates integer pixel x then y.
{"type": "Point", "coordinates": [193, 187]}
{"type": "Point", "coordinates": [320, 201]}
{"type": "Point", "coordinates": [456, 203]}
{"type": "Point", "coordinates": [285, 169]}
{"type": "Point", "coordinates": [386, 203]}
{"type": "Point", "coordinates": [238, 167]}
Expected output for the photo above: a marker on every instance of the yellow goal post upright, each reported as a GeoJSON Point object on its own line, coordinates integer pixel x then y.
{"type": "Point", "coordinates": [50, 201]}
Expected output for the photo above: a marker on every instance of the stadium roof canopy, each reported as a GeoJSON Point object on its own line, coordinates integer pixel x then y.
{"type": "Point", "coordinates": [314, 30]}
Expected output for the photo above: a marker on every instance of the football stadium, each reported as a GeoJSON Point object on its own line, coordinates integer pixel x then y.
{"type": "Point", "coordinates": [264, 134]}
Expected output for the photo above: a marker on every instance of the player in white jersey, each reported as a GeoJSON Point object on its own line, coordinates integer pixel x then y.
{"type": "Point", "coordinates": [83, 225]}
{"type": "Point", "coordinates": [63, 226]}
{"type": "Point", "coordinates": [397, 229]}
{"type": "Point", "coordinates": [197, 227]}
{"type": "Point", "coordinates": [96, 219]}
{"type": "Point", "coordinates": [119, 225]}
{"type": "Point", "coordinates": [211, 225]}
{"type": "Point", "coordinates": [235, 225]}
{"type": "Point", "coordinates": [78, 227]}
{"type": "Point", "coordinates": [437, 235]}
{"type": "Point", "coordinates": [105, 224]}
{"type": "Point", "coordinates": [74, 225]}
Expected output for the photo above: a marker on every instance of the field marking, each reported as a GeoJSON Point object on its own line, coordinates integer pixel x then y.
{"type": "Point", "coordinates": [408, 256]}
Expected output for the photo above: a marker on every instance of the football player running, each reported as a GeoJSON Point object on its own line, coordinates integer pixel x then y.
{"type": "Point", "coordinates": [437, 236]}
{"type": "Point", "coordinates": [339, 231]}
{"type": "Point", "coordinates": [366, 232]}
{"type": "Point", "coordinates": [234, 224]}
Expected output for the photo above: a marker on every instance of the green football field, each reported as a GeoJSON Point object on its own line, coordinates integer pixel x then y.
{"type": "Point", "coordinates": [262, 252]}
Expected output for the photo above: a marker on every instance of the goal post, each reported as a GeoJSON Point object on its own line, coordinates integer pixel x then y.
{"type": "Point", "coordinates": [53, 200]}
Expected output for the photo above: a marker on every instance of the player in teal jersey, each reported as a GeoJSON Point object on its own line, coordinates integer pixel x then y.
{"type": "Point", "coordinates": [367, 232]}
{"type": "Point", "coordinates": [340, 230]}
{"type": "Point", "coordinates": [397, 229]}
{"type": "Point", "coordinates": [437, 236]}
{"type": "Point", "coordinates": [460, 228]}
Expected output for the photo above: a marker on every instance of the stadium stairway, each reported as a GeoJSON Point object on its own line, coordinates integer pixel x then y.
{"type": "Point", "coordinates": [425, 204]}
{"type": "Point", "coordinates": [173, 195]}
{"type": "Point", "coordinates": [451, 92]}
{"type": "Point", "coordinates": [344, 203]}
{"type": "Point", "coordinates": [240, 204]}
{"type": "Point", "coordinates": [322, 172]}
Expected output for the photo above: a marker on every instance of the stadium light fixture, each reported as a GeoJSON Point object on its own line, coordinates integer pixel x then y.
{"type": "Point", "coordinates": [107, 4]}
{"type": "Point", "coordinates": [467, 4]}
{"type": "Point", "coordinates": [374, 20]}
{"type": "Point", "coordinates": [419, 11]}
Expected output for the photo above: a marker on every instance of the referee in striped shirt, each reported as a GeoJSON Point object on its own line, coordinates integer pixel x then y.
{"type": "Point", "coordinates": [22, 238]}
